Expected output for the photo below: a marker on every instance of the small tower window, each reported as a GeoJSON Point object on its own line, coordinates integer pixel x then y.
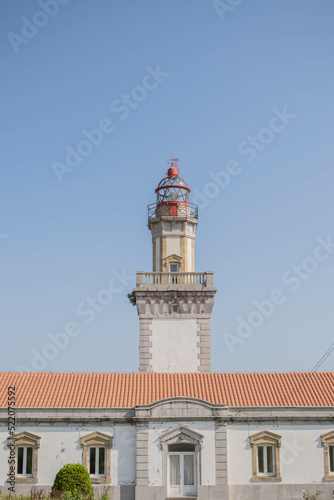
{"type": "Point", "coordinates": [173, 268]}
{"type": "Point", "coordinates": [174, 309]}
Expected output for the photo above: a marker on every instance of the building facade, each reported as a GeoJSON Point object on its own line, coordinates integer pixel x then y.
{"type": "Point", "coordinates": [174, 430]}
{"type": "Point", "coordinates": [200, 435]}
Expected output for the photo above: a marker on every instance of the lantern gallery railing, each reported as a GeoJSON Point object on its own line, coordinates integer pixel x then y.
{"type": "Point", "coordinates": [154, 279]}
{"type": "Point", "coordinates": [157, 210]}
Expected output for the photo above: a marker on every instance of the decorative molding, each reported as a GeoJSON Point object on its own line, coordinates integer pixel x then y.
{"type": "Point", "coordinates": [179, 408]}
{"type": "Point", "coordinates": [266, 438]}
{"type": "Point", "coordinates": [181, 433]}
{"type": "Point", "coordinates": [327, 440]}
{"type": "Point", "coordinates": [102, 440]}
{"type": "Point", "coordinates": [172, 259]}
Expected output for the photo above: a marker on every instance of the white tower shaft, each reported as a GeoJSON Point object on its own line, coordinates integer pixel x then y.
{"type": "Point", "coordinates": [174, 302]}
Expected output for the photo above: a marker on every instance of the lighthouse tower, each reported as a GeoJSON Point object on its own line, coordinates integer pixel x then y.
{"type": "Point", "coordinates": [174, 302]}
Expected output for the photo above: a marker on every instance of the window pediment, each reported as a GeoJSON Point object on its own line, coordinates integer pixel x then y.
{"type": "Point", "coordinates": [327, 438]}
{"type": "Point", "coordinates": [26, 439]}
{"type": "Point", "coordinates": [174, 258]}
{"type": "Point", "coordinates": [97, 439]}
{"type": "Point", "coordinates": [180, 434]}
{"type": "Point", "coordinates": [265, 437]}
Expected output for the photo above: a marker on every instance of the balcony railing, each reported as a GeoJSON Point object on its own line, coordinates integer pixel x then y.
{"type": "Point", "coordinates": [155, 211]}
{"type": "Point", "coordinates": [154, 279]}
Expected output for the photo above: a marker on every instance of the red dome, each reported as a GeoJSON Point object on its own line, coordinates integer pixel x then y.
{"type": "Point", "coordinates": [173, 171]}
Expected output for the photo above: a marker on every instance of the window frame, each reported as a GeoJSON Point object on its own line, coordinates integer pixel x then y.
{"type": "Point", "coordinates": [97, 439]}
{"type": "Point", "coordinates": [24, 472]}
{"type": "Point", "coordinates": [97, 460]}
{"type": "Point", "coordinates": [181, 455]}
{"type": "Point", "coordinates": [266, 439]}
{"type": "Point", "coordinates": [26, 440]}
{"type": "Point", "coordinates": [174, 274]}
{"type": "Point", "coordinates": [331, 451]}
{"type": "Point", "coordinates": [327, 441]}
{"type": "Point", "coordinates": [172, 264]}
{"type": "Point", "coordinates": [265, 459]}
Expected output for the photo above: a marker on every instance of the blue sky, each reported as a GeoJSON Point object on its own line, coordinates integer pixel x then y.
{"type": "Point", "coordinates": [247, 89]}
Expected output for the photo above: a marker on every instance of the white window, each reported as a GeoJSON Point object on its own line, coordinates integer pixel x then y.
{"type": "Point", "coordinates": [266, 457]}
{"type": "Point", "coordinates": [96, 458]}
{"type": "Point", "coordinates": [265, 460]}
{"type": "Point", "coordinates": [331, 458]}
{"type": "Point", "coordinates": [181, 451]}
{"type": "Point", "coordinates": [24, 458]}
{"type": "Point", "coordinates": [97, 461]}
{"type": "Point", "coordinates": [182, 470]}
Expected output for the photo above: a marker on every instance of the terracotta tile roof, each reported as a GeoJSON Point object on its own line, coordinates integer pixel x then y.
{"type": "Point", "coordinates": [124, 390]}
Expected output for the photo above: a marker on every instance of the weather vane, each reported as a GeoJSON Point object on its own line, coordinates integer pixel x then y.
{"type": "Point", "coordinates": [173, 163]}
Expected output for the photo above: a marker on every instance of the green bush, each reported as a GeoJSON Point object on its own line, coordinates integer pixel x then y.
{"type": "Point", "coordinates": [309, 496]}
{"type": "Point", "coordinates": [73, 478]}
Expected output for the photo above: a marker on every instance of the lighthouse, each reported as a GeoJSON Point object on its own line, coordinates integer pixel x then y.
{"type": "Point", "coordinates": [173, 222]}
{"type": "Point", "coordinates": [174, 302]}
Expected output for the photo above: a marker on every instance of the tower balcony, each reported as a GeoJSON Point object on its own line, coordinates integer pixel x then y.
{"type": "Point", "coordinates": [172, 209]}
{"type": "Point", "coordinates": [174, 280]}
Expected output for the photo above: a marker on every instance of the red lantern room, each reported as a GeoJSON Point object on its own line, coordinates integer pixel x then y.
{"type": "Point", "coordinates": [172, 190]}
{"type": "Point", "coordinates": [172, 196]}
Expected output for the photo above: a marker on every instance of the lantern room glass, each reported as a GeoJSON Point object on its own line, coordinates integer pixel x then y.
{"type": "Point", "coordinates": [172, 189]}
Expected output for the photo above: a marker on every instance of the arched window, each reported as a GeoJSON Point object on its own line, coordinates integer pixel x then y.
{"type": "Point", "coordinates": [193, 307]}
{"type": "Point", "coordinates": [156, 307]}
{"type": "Point", "coordinates": [148, 307]}
{"type": "Point", "coordinates": [165, 307]}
